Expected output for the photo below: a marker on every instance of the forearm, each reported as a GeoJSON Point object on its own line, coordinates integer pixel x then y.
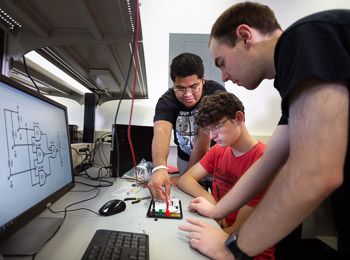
{"type": "Point", "coordinates": [242, 216]}
{"type": "Point", "coordinates": [191, 186]}
{"type": "Point", "coordinates": [283, 208]}
{"type": "Point", "coordinates": [161, 143]}
{"type": "Point", "coordinates": [199, 150]}
{"type": "Point", "coordinates": [160, 153]}
{"type": "Point", "coordinates": [196, 155]}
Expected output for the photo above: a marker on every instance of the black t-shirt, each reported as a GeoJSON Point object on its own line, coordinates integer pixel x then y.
{"type": "Point", "coordinates": [318, 46]}
{"type": "Point", "coordinates": [183, 118]}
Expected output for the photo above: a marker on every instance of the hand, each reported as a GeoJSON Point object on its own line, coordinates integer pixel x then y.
{"type": "Point", "coordinates": [159, 179]}
{"type": "Point", "coordinates": [207, 239]}
{"type": "Point", "coordinates": [202, 206]}
{"type": "Point", "coordinates": [174, 181]}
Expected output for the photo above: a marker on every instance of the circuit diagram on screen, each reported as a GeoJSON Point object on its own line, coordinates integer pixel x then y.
{"type": "Point", "coordinates": [29, 149]}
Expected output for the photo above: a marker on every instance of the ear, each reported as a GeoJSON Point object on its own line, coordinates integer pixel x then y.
{"type": "Point", "coordinates": [244, 33]}
{"type": "Point", "coordinates": [239, 117]}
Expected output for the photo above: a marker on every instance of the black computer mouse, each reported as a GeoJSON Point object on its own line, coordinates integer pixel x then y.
{"type": "Point", "coordinates": [112, 207]}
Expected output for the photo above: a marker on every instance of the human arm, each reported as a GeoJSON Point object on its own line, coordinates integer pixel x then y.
{"type": "Point", "coordinates": [160, 151]}
{"type": "Point", "coordinates": [255, 180]}
{"type": "Point", "coordinates": [318, 124]}
{"type": "Point", "coordinates": [201, 146]}
{"type": "Point", "coordinates": [242, 216]}
{"type": "Point", "coordinates": [189, 182]}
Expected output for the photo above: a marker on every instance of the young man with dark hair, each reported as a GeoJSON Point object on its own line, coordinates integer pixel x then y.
{"type": "Point", "coordinates": [221, 116]}
{"type": "Point", "coordinates": [307, 157]}
{"type": "Point", "coordinates": [177, 109]}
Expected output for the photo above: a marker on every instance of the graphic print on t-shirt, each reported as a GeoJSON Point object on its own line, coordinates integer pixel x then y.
{"type": "Point", "coordinates": [186, 130]}
{"type": "Point", "coordinates": [223, 181]}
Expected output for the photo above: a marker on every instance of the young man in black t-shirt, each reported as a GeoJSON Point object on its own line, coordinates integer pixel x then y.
{"type": "Point", "coordinates": [307, 158]}
{"type": "Point", "coordinates": [176, 110]}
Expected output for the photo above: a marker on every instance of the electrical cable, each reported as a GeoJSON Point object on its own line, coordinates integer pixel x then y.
{"type": "Point", "coordinates": [26, 69]}
{"type": "Point", "coordinates": [134, 87]}
{"type": "Point", "coordinates": [80, 201]}
{"type": "Point", "coordinates": [115, 142]}
{"type": "Point", "coordinates": [98, 178]}
{"type": "Point", "coordinates": [65, 215]}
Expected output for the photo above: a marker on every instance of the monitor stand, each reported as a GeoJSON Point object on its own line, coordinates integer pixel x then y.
{"type": "Point", "coordinates": [31, 238]}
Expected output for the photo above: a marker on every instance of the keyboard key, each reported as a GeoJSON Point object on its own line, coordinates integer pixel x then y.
{"type": "Point", "coordinates": [118, 245]}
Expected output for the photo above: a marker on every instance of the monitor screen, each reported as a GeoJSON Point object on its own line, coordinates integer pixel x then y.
{"type": "Point", "coordinates": [141, 137]}
{"type": "Point", "coordinates": [35, 155]}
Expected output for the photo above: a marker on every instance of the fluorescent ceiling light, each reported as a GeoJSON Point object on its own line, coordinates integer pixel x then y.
{"type": "Point", "coordinates": [51, 68]}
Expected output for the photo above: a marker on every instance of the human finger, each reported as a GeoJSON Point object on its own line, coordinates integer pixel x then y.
{"type": "Point", "coordinates": [189, 228]}
{"type": "Point", "coordinates": [196, 221]}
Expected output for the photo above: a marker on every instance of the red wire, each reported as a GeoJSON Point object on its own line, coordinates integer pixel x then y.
{"type": "Point", "coordinates": [136, 40]}
{"type": "Point", "coordinates": [167, 212]}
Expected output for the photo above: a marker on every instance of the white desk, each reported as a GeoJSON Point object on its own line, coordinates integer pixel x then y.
{"type": "Point", "coordinates": [165, 240]}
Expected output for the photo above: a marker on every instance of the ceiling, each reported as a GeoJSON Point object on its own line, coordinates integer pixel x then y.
{"type": "Point", "coordinates": [91, 40]}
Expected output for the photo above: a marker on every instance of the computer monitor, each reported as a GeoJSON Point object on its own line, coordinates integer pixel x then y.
{"type": "Point", "coordinates": [141, 137]}
{"type": "Point", "coordinates": [35, 164]}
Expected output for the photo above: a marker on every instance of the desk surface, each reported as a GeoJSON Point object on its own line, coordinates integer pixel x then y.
{"type": "Point", "coordinates": [166, 241]}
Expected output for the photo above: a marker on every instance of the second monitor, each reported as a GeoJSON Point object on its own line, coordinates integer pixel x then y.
{"type": "Point", "coordinates": [141, 137]}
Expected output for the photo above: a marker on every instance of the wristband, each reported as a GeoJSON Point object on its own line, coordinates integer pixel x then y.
{"type": "Point", "coordinates": [159, 167]}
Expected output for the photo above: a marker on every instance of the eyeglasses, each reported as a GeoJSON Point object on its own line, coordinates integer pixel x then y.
{"type": "Point", "coordinates": [214, 129]}
{"type": "Point", "coordinates": [193, 89]}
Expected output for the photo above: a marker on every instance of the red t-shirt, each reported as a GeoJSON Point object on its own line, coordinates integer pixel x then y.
{"type": "Point", "coordinates": [226, 169]}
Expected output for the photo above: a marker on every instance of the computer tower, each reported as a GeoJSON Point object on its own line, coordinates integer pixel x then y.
{"type": "Point", "coordinates": [73, 133]}
{"type": "Point", "coordinates": [141, 137]}
{"type": "Point", "coordinates": [89, 117]}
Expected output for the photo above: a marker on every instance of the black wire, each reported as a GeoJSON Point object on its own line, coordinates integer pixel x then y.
{"type": "Point", "coordinates": [97, 186]}
{"type": "Point", "coordinates": [75, 150]}
{"type": "Point", "coordinates": [127, 79]}
{"type": "Point", "coordinates": [107, 172]}
{"type": "Point", "coordinates": [114, 133]}
{"type": "Point", "coordinates": [70, 210]}
{"type": "Point", "coordinates": [82, 190]}
{"type": "Point", "coordinates": [104, 155]}
{"type": "Point", "coordinates": [97, 149]}
{"type": "Point", "coordinates": [26, 69]}
{"type": "Point", "coordinates": [80, 201]}
{"type": "Point", "coordinates": [65, 215]}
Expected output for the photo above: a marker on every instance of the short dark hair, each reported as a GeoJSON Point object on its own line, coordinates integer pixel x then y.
{"type": "Point", "coordinates": [214, 107]}
{"type": "Point", "coordinates": [186, 64]}
{"type": "Point", "coordinates": [256, 15]}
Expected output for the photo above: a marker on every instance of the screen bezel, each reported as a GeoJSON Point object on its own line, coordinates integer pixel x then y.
{"type": "Point", "coordinates": [16, 223]}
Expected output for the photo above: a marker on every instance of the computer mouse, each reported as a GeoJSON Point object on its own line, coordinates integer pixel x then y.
{"type": "Point", "coordinates": [112, 207]}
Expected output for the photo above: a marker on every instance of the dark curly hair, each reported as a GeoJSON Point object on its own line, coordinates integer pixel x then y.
{"type": "Point", "coordinates": [257, 16]}
{"type": "Point", "coordinates": [214, 107]}
{"type": "Point", "coordinates": [186, 64]}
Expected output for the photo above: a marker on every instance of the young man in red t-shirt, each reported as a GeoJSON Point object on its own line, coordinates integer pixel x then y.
{"type": "Point", "coordinates": [222, 117]}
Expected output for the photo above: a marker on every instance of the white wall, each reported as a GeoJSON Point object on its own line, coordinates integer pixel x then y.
{"type": "Point", "coordinates": [160, 18]}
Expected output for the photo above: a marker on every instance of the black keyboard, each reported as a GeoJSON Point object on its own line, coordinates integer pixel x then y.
{"type": "Point", "coordinates": [110, 244]}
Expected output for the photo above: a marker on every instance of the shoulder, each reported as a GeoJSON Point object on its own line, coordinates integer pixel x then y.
{"type": "Point", "coordinates": [168, 95]}
{"type": "Point", "coordinates": [260, 146]}
{"type": "Point", "coordinates": [210, 86]}
{"type": "Point", "coordinates": [167, 99]}
{"type": "Point", "coordinates": [167, 107]}
{"type": "Point", "coordinates": [333, 17]}
{"type": "Point", "coordinates": [314, 24]}
{"type": "Point", "coordinates": [259, 149]}
{"type": "Point", "coordinates": [313, 47]}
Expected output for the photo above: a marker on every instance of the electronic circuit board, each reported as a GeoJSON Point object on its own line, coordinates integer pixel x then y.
{"type": "Point", "coordinates": [158, 209]}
